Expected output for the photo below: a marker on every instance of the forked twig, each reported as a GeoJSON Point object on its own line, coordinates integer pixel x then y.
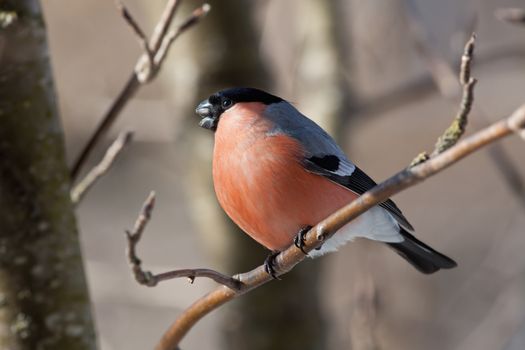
{"type": "Point", "coordinates": [194, 18]}
{"type": "Point", "coordinates": [147, 67]}
{"type": "Point", "coordinates": [149, 279]}
{"type": "Point", "coordinates": [136, 29]}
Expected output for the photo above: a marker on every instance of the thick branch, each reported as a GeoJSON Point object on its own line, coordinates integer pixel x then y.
{"type": "Point", "coordinates": [147, 278]}
{"type": "Point", "coordinates": [290, 257]}
{"type": "Point", "coordinates": [112, 153]}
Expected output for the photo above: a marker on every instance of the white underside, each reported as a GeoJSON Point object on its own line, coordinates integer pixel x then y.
{"type": "Point", "coordinates": [375, 224]}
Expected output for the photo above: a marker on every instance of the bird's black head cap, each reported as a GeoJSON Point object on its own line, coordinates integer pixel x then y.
{"type": "Point", "coordinates": [211, 109]}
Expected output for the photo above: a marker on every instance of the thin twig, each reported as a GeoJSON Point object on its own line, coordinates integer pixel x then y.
{"type": "Point", "coordinates": [145, 70]}
{"type": "Point", "coordinates": [109, 118]}
{"type": "Point", "coordinates": [142, 277]}
{"type": "Point", "coordinates": [191, 274]}
{"type": "Point", "coordinates": [502, 162]}
{"type": "Point", "coordinates": [511, 15]}
{"type": "Point", "coordinates": [290, 257]}
{"type": "Point", "coordinates": [194, 18]}
{"type": "Point", "coordinates": [78, 192]}
{"type": "Point", "coordinates": [148, 66]}
{"type": "Point", "coordinates": [149, 279]}
{"type": "Point", "coordinates": [124, 12]}
{"type": "Point", "coordinates": [457, 128]}
{"type": "Point", "coordinates": [164, 23]}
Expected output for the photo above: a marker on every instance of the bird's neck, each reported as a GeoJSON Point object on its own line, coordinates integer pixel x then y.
{"type": "Point", "coordinates": [240, 126]}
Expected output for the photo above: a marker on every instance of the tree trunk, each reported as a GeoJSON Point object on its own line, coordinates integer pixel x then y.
{"type": "Point", "coordinates": [44, 300]}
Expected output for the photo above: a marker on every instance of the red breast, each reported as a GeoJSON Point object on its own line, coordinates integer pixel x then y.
{"type": "Point", "coordinates": [260, 181]}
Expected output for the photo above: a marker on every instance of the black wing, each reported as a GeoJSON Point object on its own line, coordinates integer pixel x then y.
{"type": "Point", "coordinates": [357, 182]}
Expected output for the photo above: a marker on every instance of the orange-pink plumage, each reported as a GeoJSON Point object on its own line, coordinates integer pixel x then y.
{"type": "Point", "coordinates": [261, 183]}
{"type": "Point", "coordinates": [276, 173]}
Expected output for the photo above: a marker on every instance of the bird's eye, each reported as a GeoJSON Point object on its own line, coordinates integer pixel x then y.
{"type": "Point", "coordinates": [227, 103]}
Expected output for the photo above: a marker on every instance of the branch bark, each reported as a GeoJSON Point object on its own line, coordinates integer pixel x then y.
{"type": "Point", "coordinates": [290, 257]}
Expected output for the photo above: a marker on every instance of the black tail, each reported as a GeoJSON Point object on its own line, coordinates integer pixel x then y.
{"type": "Point", "coordinates": [420, 255]}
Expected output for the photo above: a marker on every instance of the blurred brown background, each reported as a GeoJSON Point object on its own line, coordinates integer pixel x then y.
{"type": "Point", "coordinates": [352, 66]}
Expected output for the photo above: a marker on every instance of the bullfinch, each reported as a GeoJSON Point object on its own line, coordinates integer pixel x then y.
{"type": "Point", "coordinates": [277, 173]}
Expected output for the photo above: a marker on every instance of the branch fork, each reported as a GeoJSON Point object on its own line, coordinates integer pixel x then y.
{"type": "Point", "coordinates": [149, 279]}
{"type": "Point", "coordinates": [154, 54]}
{"type": "Point", "coordinates": [156, 49]}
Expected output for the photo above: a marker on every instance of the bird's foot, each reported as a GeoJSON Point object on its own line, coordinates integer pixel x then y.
{"type": "Point", "coordinates": [299, 239]}
{"type": "Point", "coordinates": [269, 264]}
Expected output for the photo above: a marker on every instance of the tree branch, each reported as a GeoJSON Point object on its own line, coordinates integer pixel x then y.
{"type": "Point", "coordinates": [445, 154]}
{"type": "Point", "coordinates": [145, 70]}
{"type": "Point", "coordinates": [147, 278]}
{"type": "Point", "coordinates": [457, 128]}
{"type": "Point", "coordinates": [442, 74]}
{"type": "Point", "coordinates": [136, 29]}
{"type": "Point", "coordinates": [454, 132]}
{"type": "Point", "coordinates": [195, 17]}
{"type": "Point", "coordinates": [112, 153]}
{"type": "Point", "coordinates": [290, 257]}
{"type": "Point", "coordinates": [164, 23]}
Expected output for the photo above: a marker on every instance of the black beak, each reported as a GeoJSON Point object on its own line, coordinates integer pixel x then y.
{"type": "Point", "coordinates": [205, 111]}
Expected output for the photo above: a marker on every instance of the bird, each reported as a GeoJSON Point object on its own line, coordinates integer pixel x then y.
{"type": "Point", "coordinates": [276, 173]}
